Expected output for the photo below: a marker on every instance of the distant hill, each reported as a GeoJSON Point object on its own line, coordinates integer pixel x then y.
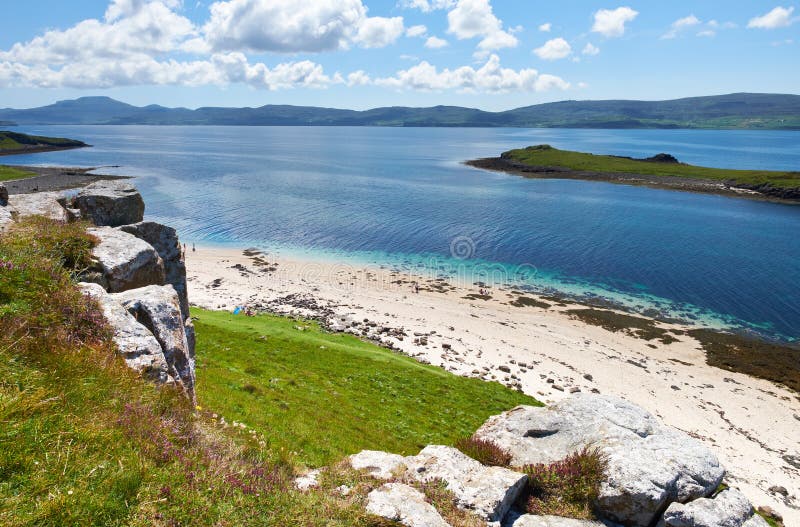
{"type": "Point", "coordinates": [734, 111]}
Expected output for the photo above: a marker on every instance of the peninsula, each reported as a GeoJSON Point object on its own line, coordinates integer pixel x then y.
{"type": "Point", "coordinates": [659, 171]}
{"type": "Point", "coordinates": [17, 143]}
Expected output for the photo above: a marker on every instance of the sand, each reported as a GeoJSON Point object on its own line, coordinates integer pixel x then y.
{"type": "Point", "coordinates": [751, 424]}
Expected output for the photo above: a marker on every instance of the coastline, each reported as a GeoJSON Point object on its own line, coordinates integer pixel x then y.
{"type": "Point", "coordinates": [54, 178]}
{"type": "Point", "coordinates": [544, 351]}
{"type": "Point", "coordinates": [39, 149]}
{"type": "Point", "coordinates": [683, 184]}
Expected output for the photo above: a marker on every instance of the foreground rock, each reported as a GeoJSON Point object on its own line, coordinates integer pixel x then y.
{"type": "Point", "coordinates": [404, 504]}
{"type": "Point", "coordinates": [111, 203]}
{"type": "Point", "coordinates": [45, 204]}
{"type": "Point", "coordinates": [6, 218]}
{"type": "Point", "coordinates": [166, 243]}
{"type": "Point", "coordinates": [529, 520]}
{"type": "Point", "coordinates": [380, 465]}
{"type": "Point", "coordinates": [649, 465]}
{"type": "Point", "coordinates": [487, 491]}
{"type": "Point", "coordinates": [135, 342]}
{"type": "Point", "coordinates": [158, 309]}
{"type": "Point", "coordinates": [127, 262]}
{"type": "Point", "coordinates": [728, 509]}
{"type": "Point", "coordinates": [3, 195]}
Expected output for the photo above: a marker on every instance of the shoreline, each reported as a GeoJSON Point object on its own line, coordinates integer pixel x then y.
{"type": "Point", "coordinates": [682, 184]}
{"type": "Point", "coordinates": [54, 178]}
{"type": "Point", "coordinates": [39, 149]}
{"type": "Point", "coordinates": [532, 343]}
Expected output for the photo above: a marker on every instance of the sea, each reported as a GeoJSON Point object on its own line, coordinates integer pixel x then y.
{"type": "Point", "coordinates": [402, 198]}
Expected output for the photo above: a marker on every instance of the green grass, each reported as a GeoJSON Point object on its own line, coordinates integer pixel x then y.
{"type": "Point", "coordinates": [84, 441]}
{"type": "Point", "coordinates": [18, 141]}
{"type": "Point", "coordinates": [325, 395]}
{"type": "Point", "coordinates": [545, 155]}
{"type": "Point", "coordinates": [8, 173]}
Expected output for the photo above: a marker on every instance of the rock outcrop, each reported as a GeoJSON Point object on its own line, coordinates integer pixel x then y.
{"type": "Point", "coordinates": [649, 465]}
{"type": "Point", "coordinates": [3, 195]}
{"type": "Point", "coordinates": [165, 241]}
{"type": "Point", "coordinates": [126, 261]}
{"type": "Point", "coordinates": [111, 203]}
{"type": "Point", "coordinates": [530, 520]}
{"type": "Point", "coordinates": [137, 345]}
{"type": "Point", "coordinates": [404, 504]}
{"type": "Point", "coordinates": [45, 204]}
{"type": "Point", "coordinates": [727, 509]}
{"type": "Point", "coordinates": [158, 309]}
{"type": "Point", "coordinates": [379, 465]}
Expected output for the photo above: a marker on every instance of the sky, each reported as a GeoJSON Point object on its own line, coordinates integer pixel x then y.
{"type": "Point", "coordinates": [488, 54]}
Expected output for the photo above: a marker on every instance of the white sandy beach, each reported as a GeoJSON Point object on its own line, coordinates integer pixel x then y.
{"type": "Point", "coordinates": [752, 424]}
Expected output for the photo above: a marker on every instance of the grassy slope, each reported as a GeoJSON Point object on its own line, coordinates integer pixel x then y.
{"type": "Point", "coordinates": [84, 441]}
{"type": "Point", "coordinates": [18, 141]}
{"type": "Point", "coordinates": [327, 395]}
{"type": "Point", "coordinates": [544, 155]}
{"type": "Point", "coordinates": [8, 173]}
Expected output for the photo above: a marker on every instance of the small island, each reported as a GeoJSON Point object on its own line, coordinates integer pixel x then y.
{"type": "Point", "coordinates": [659, 171]}
{"type": "Point", "coordinates": [17, 143]}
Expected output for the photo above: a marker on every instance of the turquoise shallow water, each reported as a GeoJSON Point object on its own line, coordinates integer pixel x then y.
{"type": "Point", "coordinates": [402, 198]}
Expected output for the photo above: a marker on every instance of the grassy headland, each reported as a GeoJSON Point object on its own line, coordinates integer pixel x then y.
{"type": "Point", "coordinates": [85, 441]}
{"type": "Point", "coordinates": [17, 143]}
{"type": "Point", "coordinates": [662, 170]}
{"type": "Point", "coordinates": [8, 173]}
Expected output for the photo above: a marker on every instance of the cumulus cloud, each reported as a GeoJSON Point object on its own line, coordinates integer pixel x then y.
{"type": "Point", "coordinates": [679, 25]}
{"type": "Point", "coordinates": [475, 19]}
{"type": "Point", "coordinates": [778, 17]}
{"type": "Point", "coordinates": [590, 49]}
{"type": "Point", "coordinates": [289, 26]}
{"type": "Point", "coordinates": [426, 6]}
{"type": "Point", "coordinates": [546, 27]}
{"type": "Point", "coordinates": [489, 78]}
{"type": "Point", "coordinates": [416, 31]}
{"type": "Point", "coordinates": [435, 43]}
{"type": "Point", "coordinates": [554, 49]}
{"type": "Point", "coordinates": [358, 78]}
{"type": "Point", "coordinates": [611, 22]}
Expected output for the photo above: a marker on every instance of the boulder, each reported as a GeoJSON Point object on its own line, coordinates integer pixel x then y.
{"type": "Point", "coordinates": [157, 307]}
{"type": "Point", "coordinates": [166, 243]}
{"type": "Point", "coordinates": [127, 262]}
{"type": "Point", "coordinates": [530, 520]}
{"type": "Point", "coordinates": [487, 491]}
{"type": "Point", "coordinates": [39, 204]}
{"type": "Point", "coordinates": [3, 195]}
{"type": "Point", "coordinates": [727, 509]}
{"type": "Point", "coordinates": [649, 465]}
{"type": "Point", "coordinates": [307, 481]}
{"type": "Point", "coordinates": [111, 203]}
{"type": "Point", "coordinates": [402, 503]}
{"type": "Point", "coordinates": [6, 218]}
{"type": "Point", "coordinates": [135, 342]}
{"type": "Point", "coordinates": [381, 465]}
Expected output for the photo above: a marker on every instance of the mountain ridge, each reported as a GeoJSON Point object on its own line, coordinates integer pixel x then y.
{"type": "Point", "coordinates": [730, 111]}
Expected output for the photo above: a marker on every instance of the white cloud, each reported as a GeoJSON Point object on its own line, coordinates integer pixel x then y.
{"type": "Point", "coordinates": [679, 25]}
{"type": "Point", "coordinates": [546, 27]}
{"type": "Point", "coordinates": [611, 22]}
{"type": "Point", "coordinates": [358, 78]}
{"type": "Point", "coordinates": [489, 78]}
{"type": "Point", "coordinates": [426, 6]}
{"type": "Point", "coordinates": [289, 26]}
{"type": "Point", "coordinates": [590, 49]}
{"type": "Point", "coordinates": [778, 17]}
{"type": "Point", "coordinates": [707, 33]}
{"type": "Point", "coordinates": [416, 31]}
{"type": "Point", "coordinates": [554, 49]}
{"type": "Point", "coordinates": [473, 19]}
{"type": "Point", "coordinates": [435, 43]}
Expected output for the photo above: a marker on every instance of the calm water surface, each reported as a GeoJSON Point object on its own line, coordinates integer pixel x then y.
{"type": "Point", "coordinates": [401, 197]}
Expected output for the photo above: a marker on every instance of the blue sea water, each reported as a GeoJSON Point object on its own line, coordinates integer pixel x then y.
{"type": "Point", "coordinates": [401, 197]}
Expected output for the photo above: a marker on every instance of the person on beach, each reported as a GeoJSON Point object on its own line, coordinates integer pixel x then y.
{"type": "Point", "coordinates": [193, 249]}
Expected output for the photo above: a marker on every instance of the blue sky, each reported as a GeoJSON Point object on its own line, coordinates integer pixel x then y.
{"type": "Point", "coordinates": [489, 54]}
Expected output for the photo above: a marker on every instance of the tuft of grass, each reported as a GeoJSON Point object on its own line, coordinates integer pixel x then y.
{"type": "Point", "coordinates": [484, 450]}
{"type": "Point", "coordinates": [547, 156]}
{"type": "Point", "coordinates": [568, 487]}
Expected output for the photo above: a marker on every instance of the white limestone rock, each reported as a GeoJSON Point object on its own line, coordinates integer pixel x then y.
{"type": "Point", "coordinates": [380, 465]}
{"type": "Point", "coordinates": [530, 520]}
{"type": "Point", "coordinates": [649, 465]}
{"type": "Point", "coordinates": [127, 262]}
{"type": "Point", "coordinates": [111, 203]}
{"type": "Point", "coordinates": [727, 509]}
{"type": "Point", "coordinates": [487, 491]}
{"type": "Point", "coordinates": [404, 504]}
{"type": "Point", "coordinates": [45, 204]}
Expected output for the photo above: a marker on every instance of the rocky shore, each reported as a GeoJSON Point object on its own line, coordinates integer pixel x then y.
{"type": "Point", "coordinates": [757, 192]}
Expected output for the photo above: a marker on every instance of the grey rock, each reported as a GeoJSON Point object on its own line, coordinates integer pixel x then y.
{"type": "Point", "coordinates": [158, 308]}
{"type": "Point", "coordinates": [111, 203]}
{"type": "Point", "coordinates": [404, 504]}
{"type": "Point", "coordinates": [127, 262]}
{"type": "Point", "coordinates": [381, 465]}
{"type": "Point", "coordinates": [530, 520]}
{"type": "Point", "coordinates": [487, 491]}
{"type": "Point", "coordinates": [307, 481]}
{"type": "Point", "coordinates": [728, 509]}
{"type": "Point", "coordinates": [6, 218]}
{"type": "Point", "coordinates": [38, 204]}
{"type": "Point", "coordinates": [3, 195]}
{"type": "Point", "coordinates": [137, 345]}
{"type": "Point", "coordinates": [191, 338]}
{"type": "Point", "coordinates": [649, 465]}
{"type": "Point", "coordinates": [166, 243]}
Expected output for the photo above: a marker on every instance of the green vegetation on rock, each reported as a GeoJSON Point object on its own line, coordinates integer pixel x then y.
{"type": "Point", "coordinates": [547, 156]}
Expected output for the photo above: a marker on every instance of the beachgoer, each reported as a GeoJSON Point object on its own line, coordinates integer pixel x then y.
{"type": "Point", "coordinates": [193, 249]}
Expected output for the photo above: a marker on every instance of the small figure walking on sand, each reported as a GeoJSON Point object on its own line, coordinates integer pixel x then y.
{"type": "Point", "coordinates": [416, 288]}
{"type": "Point", "coordinates": [193, 248]}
